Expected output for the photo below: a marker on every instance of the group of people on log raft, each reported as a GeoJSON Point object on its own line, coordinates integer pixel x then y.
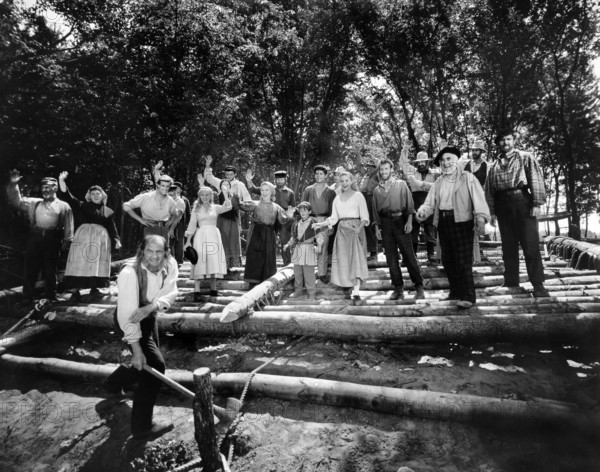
{"type": "Point", "coordinates": [334, 229]}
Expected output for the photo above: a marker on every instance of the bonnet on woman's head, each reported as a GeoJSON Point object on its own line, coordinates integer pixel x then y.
{"type": "Point", "coordinates": [88, 195]}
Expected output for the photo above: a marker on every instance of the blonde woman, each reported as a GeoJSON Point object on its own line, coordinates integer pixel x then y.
{"type": "Point", "coordinates": [349, 259]}
{"type": "Point", "coordinates": [207, 239]}
{"type": "Point", "coordinates": [261, 258]}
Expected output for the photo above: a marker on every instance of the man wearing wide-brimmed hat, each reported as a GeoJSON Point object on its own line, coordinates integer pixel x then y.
{"type": "Point", "coordinates": [457, 204]}
{"type": "Point", "coordinates": [515, 192]}
{"type": "Point", "coordinates": [477, 165]}
{"type": "Point", "coordinates": [420, 177]}
{"type": "Point", "coordinates": [51, 228]}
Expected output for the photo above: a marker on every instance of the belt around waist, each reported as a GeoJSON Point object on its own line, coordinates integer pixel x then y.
{"type": "Point", "coordinates": [510, 191]}
{"type": "Point", "coordinates": [158, 223]}
{"type": "Point", "coordinates": [320, 214]}
{"type": "Point", "coordinates": [45, 232]}
{"type": "Point", "coordinates": [391, 214]}
{"type": "Point", "coordinates": [349, 219]}
{"type": "Point", "coordinates": [446, 213]}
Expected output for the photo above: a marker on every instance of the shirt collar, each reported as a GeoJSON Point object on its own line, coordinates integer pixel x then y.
{"type": "Point", "coordinates": [163, 271]}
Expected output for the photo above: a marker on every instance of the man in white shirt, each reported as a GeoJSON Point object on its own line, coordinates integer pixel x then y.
{"type": "Point", "coordinates": [146, 287]}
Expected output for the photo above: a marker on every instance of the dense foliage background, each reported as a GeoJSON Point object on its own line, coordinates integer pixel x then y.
{"type": "Point", "coordinates": [105, 88]}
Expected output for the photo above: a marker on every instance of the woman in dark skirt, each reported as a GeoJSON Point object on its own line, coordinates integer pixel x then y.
{"type": "Point", "coordinates": [88, 265]}
{"type": "Point", "coordinates": [228, 225]}
{"type": "Point", "coordinates": [261, 262]}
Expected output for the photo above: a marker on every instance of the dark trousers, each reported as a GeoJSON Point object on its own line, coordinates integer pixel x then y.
{"type": "Point", "coordinates": [146, 392]}
{"type": "Point", "coordinates": [370, 230]}
{"type": "Point", "coordinates": [285, 234]}
{"type": "Point", "coordinates": [518, 227]}
{"type": "Point", "coordinates": [394, 239]}
{"type": "Point", "coordinates": [42, 253]}
{"type": "Point", "coordinates": [456, 241]}
{"type": "Point", "coordinates": [177, 243]}
{"type": "Point", "coordinates": [428, 228]}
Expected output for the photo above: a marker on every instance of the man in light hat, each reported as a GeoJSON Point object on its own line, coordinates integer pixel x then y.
{"type": "Point", "coordinates": [230, 172]}
{"type": "Point", "coordinates": [420, 179]}
{"type": "Point", "coordinates": [286, 199]}
{"type": "Point", "coordinates": [515, 192]}
{"type": "Point", "coordinates": [335, 186]}
{"type": "Point", "coordinates": [179, 226]}
{"type": "Point", "coordinates": [320, 197]}
{"type": "Point", "coordinates": [458, 206]}
{"type": "Point", "coordinates": [158, 210]}
{"type": "Point", "coordinates": [51, 228]}
{"type": "Point", "coordinates": [477, 165]}
{"type": "Point", "coordinates": [366, 185]}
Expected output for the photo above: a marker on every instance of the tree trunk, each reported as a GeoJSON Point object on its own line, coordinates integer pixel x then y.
{"type": "Point", "coordinates": [205, 433]}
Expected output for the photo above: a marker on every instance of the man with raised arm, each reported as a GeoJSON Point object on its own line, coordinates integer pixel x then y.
{"type": "Point", "coordinates": [51, 228]}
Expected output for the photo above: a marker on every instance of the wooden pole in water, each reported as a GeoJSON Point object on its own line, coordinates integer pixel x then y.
{"type": "Point", "coordinates": [205, 433]}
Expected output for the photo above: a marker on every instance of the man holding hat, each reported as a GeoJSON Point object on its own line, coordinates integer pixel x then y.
{"type": "Point", "coordinates": [51, 228]}
{"type": "Point", "coordinates": [159, 211]}
{"type": "Point", "coordinates": [320, 197]}
{"type": "Point", "coordinates": [515, 192]}
{"type": "Point", "coordinates": [286, 199]}
{"type": "Point", "coordinates": [237, 187]}
{"type": "Point", "coordinates": [367, 185]}
{"type": "Point", "coordinates": [478, 165]}
{"type": "Point", "coordinates": [454, 201]}
{"type": "Point", "coordinates": [420, 179]}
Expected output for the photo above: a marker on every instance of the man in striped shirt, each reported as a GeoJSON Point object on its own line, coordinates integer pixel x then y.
{"type": "Point", "coordinates": [515, 192]}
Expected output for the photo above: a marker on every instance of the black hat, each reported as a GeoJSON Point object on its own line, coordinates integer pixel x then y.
{"type": "Point", "coordinates": [320, 167]}
{"type": "Point", "coordinates": [280, 174]}
{"type": "Point", "coordinates": [191, 254]}
{"type": "Point", "coordinates": [49, 181]}
{"type": "Point", "coordinates": [178, 185]}
{"type": "Point", "coordinates": [504, 132]}
{"type": "Point", "coordinates": [447, 149]}
{"type": "Point", "coordinates": [230, 169]}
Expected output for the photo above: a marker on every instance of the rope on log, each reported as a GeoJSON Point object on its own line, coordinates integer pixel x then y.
{"type": "Point", "coordinates": [389, 400]}
{"type": "Point", "coordinates": [240, 307]}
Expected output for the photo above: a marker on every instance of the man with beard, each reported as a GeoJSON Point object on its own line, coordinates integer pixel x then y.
{"type": "Point", "coordinates": [51, 227]}
{"type": "Point", "coordinates": [159, 213]}
{"type": "Point", "coordinates": [478, 165]}
{"type": "Point", "coordinates": [457, 204]}
{"type": "Point", "coordinates": [320, 197]}
{"type": "Point", "coordinates": [146, 286]}
{"type": "Point", "coordinates": [515, 192]}
{"type": "Point", "coordinates": [420, 179]}
{"type": "Point", "coordinates": [286, 199]}
{"type": "Point", "coordinates": [393, 210]}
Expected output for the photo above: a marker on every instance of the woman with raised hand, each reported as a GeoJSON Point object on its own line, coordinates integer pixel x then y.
{"type": "Point", "coordinates": [207, 239]}
{"type": "Point", "coordinates": [88, 264]}
{"type": "Point", "coordinates": [349, 259]}
{"type": "Point", "coordinates": [261, 257]}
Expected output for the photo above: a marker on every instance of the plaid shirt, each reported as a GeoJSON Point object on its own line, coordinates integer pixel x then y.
{"type": "Point", "coordinates": [522, 170]}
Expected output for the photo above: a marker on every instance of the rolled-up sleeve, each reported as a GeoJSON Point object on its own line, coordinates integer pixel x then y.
{"type": "Point", "coordinates": [168, 293]}
{"type": "Point", "coordinates": [127, 303]}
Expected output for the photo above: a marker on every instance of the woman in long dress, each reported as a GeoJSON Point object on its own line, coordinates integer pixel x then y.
{"type": "Point", "coordinates": [88, 265]}
{"type": "Point", "coordinates": [207, 240]}
{"type": "Point", "coordinates": [261, 258]}
{"type": "Point", "coordinates": [349, 259]}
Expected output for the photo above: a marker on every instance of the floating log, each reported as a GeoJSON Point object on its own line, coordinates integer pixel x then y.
{"type": "Point", "coordinates": [428, 329]}
{"type": "Point", "coordinates": [24, 336]}
{"type": "Point", "coordinates": [389, 400]}
{"type": "Point", "coordinates": [580, 254]}
{"type": "Point", "coordinates": [262, 291]}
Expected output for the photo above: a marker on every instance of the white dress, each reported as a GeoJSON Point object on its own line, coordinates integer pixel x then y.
{"type": "Point", "coordinates": [207, 241]}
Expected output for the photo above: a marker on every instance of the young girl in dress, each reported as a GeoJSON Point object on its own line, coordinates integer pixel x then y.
{"type": "Point", "coordinates": [349, 260]}
{"type": "Point", "coordinates": [207, 239]}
